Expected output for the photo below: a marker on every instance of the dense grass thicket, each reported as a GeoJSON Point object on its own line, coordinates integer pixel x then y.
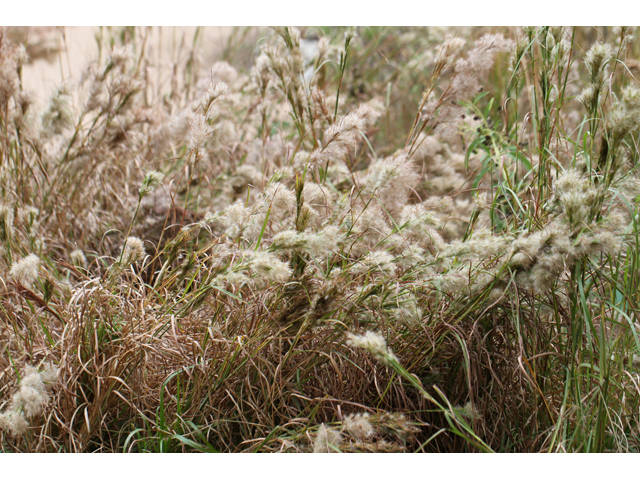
{"type": "Point", "coordinates": [330, 240]}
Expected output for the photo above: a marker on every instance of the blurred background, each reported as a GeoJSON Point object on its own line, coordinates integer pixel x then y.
{"type": "Point", "coordinates": [58, 54]}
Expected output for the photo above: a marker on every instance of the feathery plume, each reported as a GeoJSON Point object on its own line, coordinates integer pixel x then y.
{"type": "Point", "coordinates": [375, 344]}
{"type": "Point", "coordinates": [26, 270]}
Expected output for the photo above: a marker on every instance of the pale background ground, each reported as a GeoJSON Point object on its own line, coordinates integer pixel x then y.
{"type": "Point", "coordinates": [62, 53]}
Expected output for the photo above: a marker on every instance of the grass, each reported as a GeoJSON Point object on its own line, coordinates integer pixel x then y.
{"type": "Point", "coordinates": [357, 240]}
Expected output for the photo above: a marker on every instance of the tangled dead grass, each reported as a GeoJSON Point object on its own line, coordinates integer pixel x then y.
{"type": "Point", "coordinates": [314, 249]}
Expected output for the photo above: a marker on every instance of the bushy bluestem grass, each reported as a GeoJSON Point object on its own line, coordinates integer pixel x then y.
{"type": "Point", "coordinates": [377, 239]}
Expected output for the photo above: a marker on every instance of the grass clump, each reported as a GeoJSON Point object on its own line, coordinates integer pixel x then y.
{"type": "Point", "coordinates": [361, 240]}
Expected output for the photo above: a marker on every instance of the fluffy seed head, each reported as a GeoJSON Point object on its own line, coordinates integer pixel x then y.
{"type": "Point", "coordinates": [133, 250]}
{"type": "Point", "coordinates": [408, 311]}
{"type": "Point", "coordinates": [29, 400]}
{"type": "Point", "coordinates": [78, 259]}
{"type": "Point", "coordinates": [266, 267]}
{"type": "Point", "coordinates": [57, 117]}
{"type": "Point", "coordinates": [446, 52]}
{"type": "Point", "coordinates": [25, 271]}
{"type": "Point", "coordinates": [377, 261]}
{"type": "Point", "coordinates": [32, 394]}
{"type": "Point", "coordinates": [214, 92]}
{"type": "Point", "coordinates": [375, 344]}
{"type": "Point", "coordinates": [327, 440]}
{"type": "Point", "coordinates": [14, 422]}
{"type": "Point", "coordinates": [358, 426]}
{"type": "Point", "coordinates": [289, 240]}
{"type": "Point", "coordinates": [120, 55]}
{"type": "Point", "coordinates": [151, 181]}
{"type": "Point", "coordinates": [324, 242]}
{"type": "Point", "coordinates": [200, 130]}
{"type": "Point", "coordinates": [596, 61]}
{"type": "Point", "coordinates": [50, 374]}
{"type": "Point", "coordinates": [280, 199]}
